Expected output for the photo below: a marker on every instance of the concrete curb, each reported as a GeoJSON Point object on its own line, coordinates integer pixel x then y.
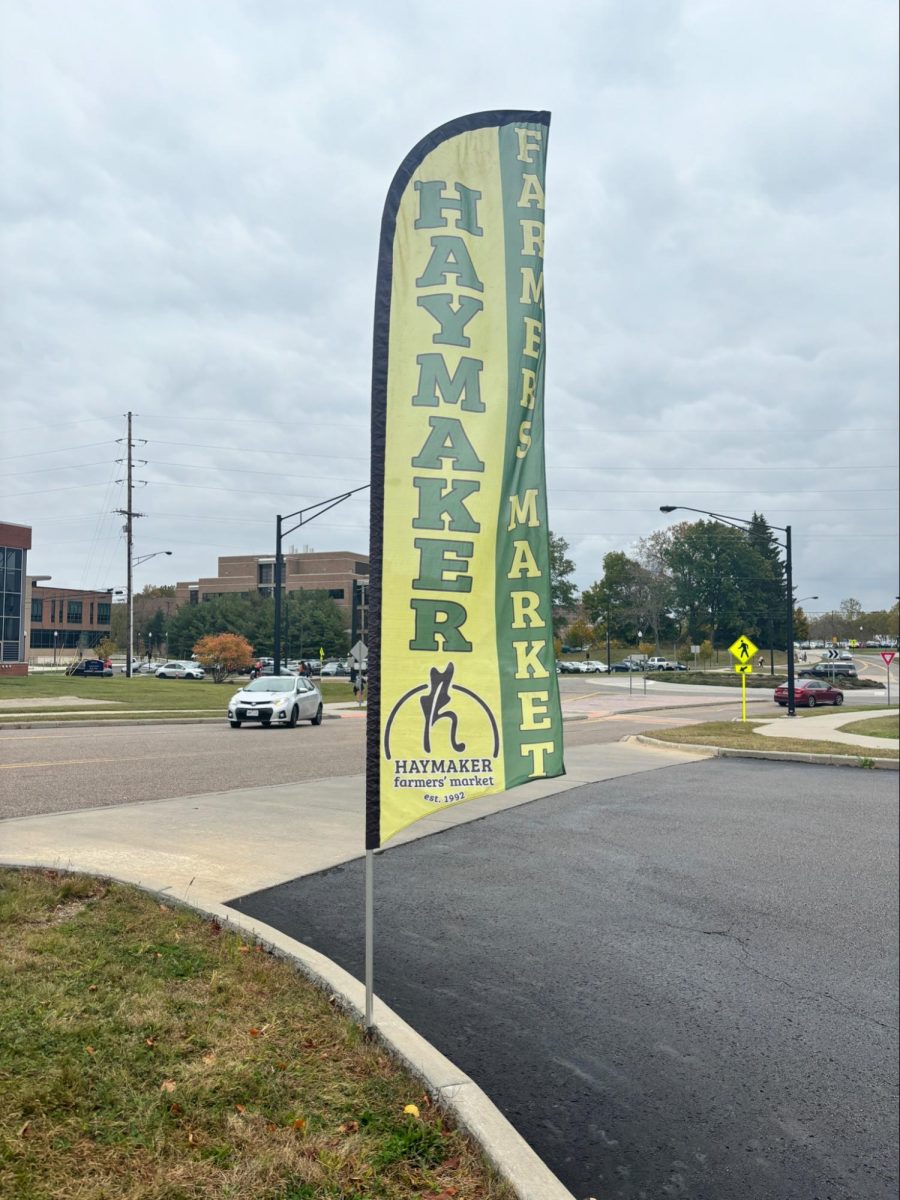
{"type": "Point", "coordinates": [504, 1148]}
{"type": "Point", "coordinates": [834, 760]}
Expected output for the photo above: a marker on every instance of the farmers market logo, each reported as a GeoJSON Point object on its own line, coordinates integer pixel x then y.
{"type": "Point", "coordinates": [441, 714]}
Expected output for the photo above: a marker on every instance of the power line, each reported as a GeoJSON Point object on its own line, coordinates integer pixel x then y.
{"type": "Point", "coordinates": [58, 450]}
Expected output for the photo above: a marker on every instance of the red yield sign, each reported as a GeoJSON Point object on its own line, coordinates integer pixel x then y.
{"type": "Point", "coordinates": [888, 656]}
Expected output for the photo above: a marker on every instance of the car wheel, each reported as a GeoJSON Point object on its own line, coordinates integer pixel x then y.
{"type": "Point", "coordinates": [292, 721]}
{"type": "Point", "coordinates": [235, 724]}
{"type": "Point", "coordinates": [265, 724]}
{"type": "Point", "coordinates": [838, 700]}
{"type": "Point", "coordinates": [317, 719]}
{"type": "Point", "coordinates": [811, 702]}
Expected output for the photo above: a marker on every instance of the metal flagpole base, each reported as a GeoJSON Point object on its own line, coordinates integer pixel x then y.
{"type": "Point", "coordinates": [370, 936]}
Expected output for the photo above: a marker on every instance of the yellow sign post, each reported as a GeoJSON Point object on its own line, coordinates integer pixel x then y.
{"type": "Point", "coordinates": [744, 651]}
{"type": "Point", "coordinates": [743, 669]}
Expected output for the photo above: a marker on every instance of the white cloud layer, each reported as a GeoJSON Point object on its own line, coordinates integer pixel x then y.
{"type": "Point", "coordinates": [191, 201]}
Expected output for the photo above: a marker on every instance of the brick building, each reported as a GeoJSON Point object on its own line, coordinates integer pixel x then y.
{"type": "Point", "coordinates": [15, 542]}
{"type": "Point", "coordinates": [245, 575]}
{"type": "Point", "coordinates": [61, 620]}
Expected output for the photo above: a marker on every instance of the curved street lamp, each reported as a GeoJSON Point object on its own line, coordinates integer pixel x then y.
{"type": "Point", "coordinates": [132, 563]}
{"type": "Point", "coordinates": [744, 523]}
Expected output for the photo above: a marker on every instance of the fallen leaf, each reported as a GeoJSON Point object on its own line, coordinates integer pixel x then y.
{"type": "Point", "coordinates": [299, 1123]}
{"type": "Point", "coordinates": [281, 1066]}
{"type": "Point", "coordinates": [426, 1100]}
{"type": "Point", "coordinates": [271, 1126]}
{"type": "Point", "coordinates": [164, 908]}
{"type": "Point", "coordinates": [215, 926]}
{"type": "Point", "coordinates": [24, 1129]}
{"type": "Point", "coordinates": [254, 1033]}
{"type": "Point", "coordinates": [168, 1085]}
{"type": "Point", "coordinates": [241, 1108]}
{"type": "Point", "coordinates": [209, 1059]}
{"type": "Point", "coordinates": [191, 1139]}
{"type": "Point", "coordinates": [149, 1042]}
{"type": "Point", "coordinates": [348, 1127]}
{"type": "Point", "coordinates": [412, 1110]}
{"type": "Point", "coordinates": [92, 987]}
{"type": "Point", "coordinates": [244, 949]}
{"type": "Point", "coordinates": [175, 1109]}
{"type": "Point", "coordinates": [89, 1050]}
{"type": "Point", "coordinates": [450, 1164]}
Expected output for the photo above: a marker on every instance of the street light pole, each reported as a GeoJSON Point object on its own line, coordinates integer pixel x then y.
{"type": "Point", "coordinates": [132, 563]}
{"type": "Point", "coordinates": [743, 523]}
{"type": "Point", "coordinates": [322, 506]}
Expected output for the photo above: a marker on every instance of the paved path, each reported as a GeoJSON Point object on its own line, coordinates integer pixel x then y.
{"type": "Point", "coordinates": [206, 848]}
{"type": "Point", "coordinates": [827, 728]}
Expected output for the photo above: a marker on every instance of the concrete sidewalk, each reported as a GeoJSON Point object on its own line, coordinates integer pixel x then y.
{"type": "Point", "coordinates": [207, 849]}
{"type": "Point", "coordinates": [828, 729]}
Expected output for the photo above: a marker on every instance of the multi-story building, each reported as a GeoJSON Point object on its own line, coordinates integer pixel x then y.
{"type": "Point", "coordinates": [61, 619]}
{"type": "Point", "coordinates": [15, 542]}
{"type": "Point", "coordinates": [245, 575]}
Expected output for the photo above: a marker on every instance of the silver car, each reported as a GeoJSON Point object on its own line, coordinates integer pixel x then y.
{"type": "Point", "coordinates": [276, 700]}
{"type": "Point", "coordinates": [176, 669]}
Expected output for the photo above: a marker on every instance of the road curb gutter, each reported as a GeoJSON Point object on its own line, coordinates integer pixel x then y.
{"type": "Point", "coordinates": [504, 1148]}
{"type": "Point", "coordinates": [834, 760]}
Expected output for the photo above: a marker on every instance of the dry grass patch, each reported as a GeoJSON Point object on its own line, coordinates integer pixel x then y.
{"type": "Point", "coordinates": [149, 1055]}
{"type": "Point", "coordinates": [741, 735]}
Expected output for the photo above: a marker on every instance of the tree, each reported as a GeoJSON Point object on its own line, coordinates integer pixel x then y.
{"type": "Point", "coordinates": [158, 589]}
{"type": "Point", "coordinates": [105, 647]}
{"type": "Point", "coordinates": [580, 634]}
{"type": "Point", "coordinates": [707, 563]}
{"type": "Point", "coordinates": [223, 653]}
{"type": "Point", "coordinates": [851, 610]}
{"type": "Point", "coordinates": [766, 579]}
{"type": "Point", "coordinates": [563, 592]}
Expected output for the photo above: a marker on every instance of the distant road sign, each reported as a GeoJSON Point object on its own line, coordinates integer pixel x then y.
{"type": "Point", "coordinates": [744, 668]}
{"type": "Point", "coordinates": [831, 654]}
{"type": "Point", "coordinates": [743, 649]}
{"type": "Point", "coordinates": [695, 649]}
{"type": "Point", "coordinates": [888, 656]}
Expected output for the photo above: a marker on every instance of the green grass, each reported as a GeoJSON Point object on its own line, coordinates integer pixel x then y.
{"type": "Point", "coordinates": [149, 1055]}
{"type": "Point", "coordinates": [741, 735]}
{"type": "Point", "coordinates": [883, 727]}
{"type": "Point", "coordinates": [175, 696]}
{"type": "Point", "coordinates": [758, 680]}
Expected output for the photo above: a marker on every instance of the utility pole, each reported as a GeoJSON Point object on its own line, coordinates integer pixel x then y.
{"type": "Point", "coordinates": [129, 514]}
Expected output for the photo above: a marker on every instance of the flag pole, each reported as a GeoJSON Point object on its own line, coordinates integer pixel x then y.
{"type": "Point", "coordinates": [370, 936]}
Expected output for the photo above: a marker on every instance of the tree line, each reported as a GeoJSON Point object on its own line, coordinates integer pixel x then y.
{"type": "Point", "coordinates": [701, 581]}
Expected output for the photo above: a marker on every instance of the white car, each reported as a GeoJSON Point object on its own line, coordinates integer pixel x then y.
{"type": "Point", "coordinates": [594, 666]}
{"type": "Point", "coordinates": [180, 670]}
{"type": "Point", "coordinates": [276, 700]}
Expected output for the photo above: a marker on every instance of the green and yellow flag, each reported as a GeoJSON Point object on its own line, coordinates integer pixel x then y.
{"type": "Point", "coordinates": [463, 697]}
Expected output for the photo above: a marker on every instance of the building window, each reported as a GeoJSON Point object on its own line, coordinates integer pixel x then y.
{"type": "Point", "coordinates": [103, 613]}
{"type": "Point", "coordinates": [37, 610]}
{"type": "Point", "coordinates": [73, 612]}
{"type": "Point", "coordinates": [11, 603]}
{"type": "Point", "coordinates": [335, 593]}
{"type": "Point", "coordinates": [361, 568]}
{"type": "Point", "coordinates": [266, 573]}
{"type": "Point", "coordinates": [194, 595]}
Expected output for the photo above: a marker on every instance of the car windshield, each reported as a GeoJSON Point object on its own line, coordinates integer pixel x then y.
{"type": "Point", "coordinates": [271, 683]}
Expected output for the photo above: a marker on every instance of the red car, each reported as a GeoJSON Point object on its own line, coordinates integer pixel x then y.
{"type": "Point", "coordinates": [810, 692]}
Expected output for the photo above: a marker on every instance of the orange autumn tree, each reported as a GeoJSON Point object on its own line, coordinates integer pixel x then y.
{"type": "Point", "coordinates": [222, 653]}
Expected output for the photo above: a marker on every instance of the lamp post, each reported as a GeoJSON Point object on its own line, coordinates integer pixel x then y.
{"type": "Point", "coordinates": [608, 653]}
{"type": "Point", "coordinates": [743, 523]}
{"type": "Point", "coordinates": [313, 511]}
{"type": "Point", "coordinates": [132, 563]}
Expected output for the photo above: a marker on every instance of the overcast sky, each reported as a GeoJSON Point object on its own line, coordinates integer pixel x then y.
{"type": "Point", "coordinates": [192, 198]}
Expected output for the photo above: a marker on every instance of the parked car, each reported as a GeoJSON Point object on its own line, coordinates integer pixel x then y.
{"type": "Point", "coordinates": [810, 693]}
{"type": "Point", "coordinates": [276, 700]}
{"type": "Point", "coordinates": [141, 668]}
{"type": "Point", "coordinates": [90, 666]}
{"type": "Point", "coordinates": [594, 666]}
{"type": "Point", "coordinates": [332, 669]}
{"type": "Point", "coordinates": [180, 670]}
{"type": "Point", "coordinates": [570, 666]}
{"type": "Point", "coordinates": [829, 670]}
{"type": "Point", "coordinates": [626, 665]}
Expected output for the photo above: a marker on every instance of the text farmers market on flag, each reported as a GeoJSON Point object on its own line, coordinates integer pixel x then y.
{"type": "Point", "coordinates": [463, 695]}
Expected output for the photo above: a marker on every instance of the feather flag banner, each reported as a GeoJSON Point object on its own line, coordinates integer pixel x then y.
{"type": "Point", "coordinates": [463, 698]}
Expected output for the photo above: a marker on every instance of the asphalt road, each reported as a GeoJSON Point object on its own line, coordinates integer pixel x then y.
{"type": "Point", "coordinates": [677, 984]}
{"type": "Point", "coordinates": [57, 770]}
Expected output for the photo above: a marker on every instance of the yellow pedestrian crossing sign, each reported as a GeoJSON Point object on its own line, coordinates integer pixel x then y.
{"type": "Point", "coordinates": [743, 649]}
{"type": "Point", "coordinates": [744, 668]}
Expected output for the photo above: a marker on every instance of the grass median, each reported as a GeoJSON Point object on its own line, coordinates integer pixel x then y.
{"type": "Point", "coordinates": [742, 735]}
{"type": "Point", "coordinates": [149, 1055]}
{"type": "Point", "coordinates": [42, 697]}
{"type": "Point", "coordinates": [883, 727]}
